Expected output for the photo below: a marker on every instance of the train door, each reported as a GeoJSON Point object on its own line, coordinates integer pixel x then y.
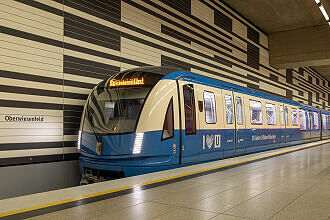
{"type": "Point", "coordinates": [282, 126]}
{"type": "Point", "coordinates": [240, 131]}
{"type": "Point", "coordinates": [190, 140]}
{"type": "Point", "coordinates": [229, 124]}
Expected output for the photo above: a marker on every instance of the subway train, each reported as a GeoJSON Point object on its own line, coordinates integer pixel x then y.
{"type": "Point", "coordinates": [155, 118]}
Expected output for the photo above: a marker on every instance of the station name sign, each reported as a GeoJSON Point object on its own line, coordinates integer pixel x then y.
{"type": "Point", "coordinates": [126, 82]}
{"type": "Point", "coordinates": [22, 118]}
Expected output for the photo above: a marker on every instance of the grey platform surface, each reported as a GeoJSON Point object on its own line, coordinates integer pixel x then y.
{"type": "Point", "coordinates": [290, 186]}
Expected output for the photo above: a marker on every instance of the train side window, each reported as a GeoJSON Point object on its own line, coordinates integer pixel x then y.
{"type": "Point", "coordinates": [316, 121]}
{"type": "Point", "coordinates": [282, 115]}
{"type": "Point", "coordinates": [286, 116]}
{"type": "Point", "coordinates": [210, 111]}
{"type": "Point", "coordinates": [294, 116]}
{"type": "Point", "coordinates": [168, 127]}
{"type": "Point", "coordinates": [324, 121]}
{"type": "Point", "coordinates": [229, 109]}
{"type": "Point", "coordinates": [309, 119]}
{"type": "Point", "coordinates": [303, 124]}
{"type": "Point", "coordinates": [239, 110]}
{"type": "Point", "coordinates": [255, 112]}
{"type": "Point", "coordinates": [271, 114]}
{"type": "Point", "coordinates": [189, 109]}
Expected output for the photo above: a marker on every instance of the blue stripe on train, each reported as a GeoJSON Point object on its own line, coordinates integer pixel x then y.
{"type": "Point", "coordinates": [207, 145]}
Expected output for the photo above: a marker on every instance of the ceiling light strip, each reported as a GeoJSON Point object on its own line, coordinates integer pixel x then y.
{"type": "Point", "coordinates": [324, 12]}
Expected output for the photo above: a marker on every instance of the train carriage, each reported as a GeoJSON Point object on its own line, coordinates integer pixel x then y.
{"type": "Point", "coordinates": [155, 118]}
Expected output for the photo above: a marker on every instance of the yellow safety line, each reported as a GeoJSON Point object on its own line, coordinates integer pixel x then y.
{"type": "Point", "coordinates": [143, 184]}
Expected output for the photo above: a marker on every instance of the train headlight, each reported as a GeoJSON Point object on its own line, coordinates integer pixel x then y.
{"type": "Point", "coordinates": [138, 143]}
{"type": "Point", "coordinates": [79, 137]}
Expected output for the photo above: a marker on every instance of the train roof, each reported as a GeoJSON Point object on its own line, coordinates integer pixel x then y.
{"type": "Point", "coordinates": [205, 80]}
{"type": "Point", "coordinates": [171, 72]}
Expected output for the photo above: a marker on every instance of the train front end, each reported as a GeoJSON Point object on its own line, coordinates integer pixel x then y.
{"type": "Point", "coordinates": [110, 143]}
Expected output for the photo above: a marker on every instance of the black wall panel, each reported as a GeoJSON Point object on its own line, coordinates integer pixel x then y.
{"type": "Point", "coordinates": [289, 76]}
{"type": "Point", "coordinates": [175, 34]}
{"type": "Point", "coordinates": [273, 77]}
{"type": "Point", "coordinates": [168, 61]}
{"type": "Point", "coordinates": [183, 6]}
{"type": "Point", "coordinates": [289, 94]}
{"type": "Point", "coordinates": [223, 21]}
{"type": "Point", "coordinates": [107, 10]}
{"type": "Point", "coordinates": [310, 100]}
{"type": "Point", "coordinates": [253, 34]}
{"type": "Point", "coordinates": [253, 56]}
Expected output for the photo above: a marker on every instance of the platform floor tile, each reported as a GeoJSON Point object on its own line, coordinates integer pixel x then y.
{"type": "Point", "coordinates": [290, 186]}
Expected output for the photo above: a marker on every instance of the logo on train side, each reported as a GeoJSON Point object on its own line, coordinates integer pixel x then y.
{"type": "Point", "coordinates": [263, 137]}
{"type": "Point", "coordinates": [210, 140]}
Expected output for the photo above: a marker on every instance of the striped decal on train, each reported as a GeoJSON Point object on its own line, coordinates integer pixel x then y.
{"type": "Point", "coordinates": [54, 51]}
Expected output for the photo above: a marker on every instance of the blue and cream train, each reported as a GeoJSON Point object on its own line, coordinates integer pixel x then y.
{"type": "Point", "coordinates": [155, 118]}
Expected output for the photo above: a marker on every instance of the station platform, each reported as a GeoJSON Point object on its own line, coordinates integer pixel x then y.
{"type": "Point", "coordinates": [286, 183]}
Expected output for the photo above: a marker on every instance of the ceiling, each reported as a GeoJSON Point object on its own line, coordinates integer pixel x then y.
{"type": "Point", "coordinates": [282, 15]}
{"type": "Point", "coordinates": [324, 70]}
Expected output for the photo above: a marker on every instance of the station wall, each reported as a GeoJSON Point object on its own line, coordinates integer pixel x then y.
{"type": "Point", "coordinates": [54, 51]}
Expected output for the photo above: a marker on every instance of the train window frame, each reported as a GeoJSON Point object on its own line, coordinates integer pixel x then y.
{"type": "Point", "coordinates": [294, 120]}
{"type": "Point", "coordinates": [226, 109]}
{"type": "Point", "coordinates": [169, 108]}
{"type": "Point", "coordinates": [316, 122]}
{"type": "Point", "coordinates": [213, 111]}
{"type": "Point", "coordinates": [193, 109]}
{"type": "Point", "coordinates": [251, 113]}
{"type": "Point", "coordinates": [239, 122]}
{"type": "Point", "coordinates": [282, 115]}
{"type": "Point", "coordinates": [303, 119]}
{"type": "Point", "coordinates": [273, 106]}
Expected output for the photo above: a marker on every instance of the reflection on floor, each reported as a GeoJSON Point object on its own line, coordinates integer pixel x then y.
{"type": "Point", "coordinates": [291, 186]}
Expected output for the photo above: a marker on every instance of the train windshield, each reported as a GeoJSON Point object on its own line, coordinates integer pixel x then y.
{"type": "Point", "coordinates": [114, 105]}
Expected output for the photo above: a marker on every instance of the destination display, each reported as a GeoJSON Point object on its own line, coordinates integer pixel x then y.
{"type": "Point", "coordinates": [126, 82]}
